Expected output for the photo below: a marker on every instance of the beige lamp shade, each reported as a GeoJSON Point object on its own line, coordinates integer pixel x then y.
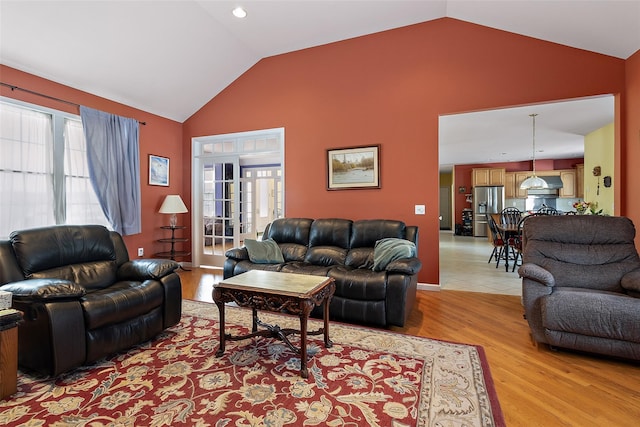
{"type": "Point", "coordinates": [173, 205]}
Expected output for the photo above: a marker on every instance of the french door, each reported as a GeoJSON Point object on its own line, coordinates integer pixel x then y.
{"type": "Point", "coordinates": [218, 206]}
{"type": "Point", "coordinates": [237, 191]}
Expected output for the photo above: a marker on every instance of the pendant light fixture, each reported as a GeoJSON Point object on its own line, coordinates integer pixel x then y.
{"type": "Point", "coordinates": [534, 182]}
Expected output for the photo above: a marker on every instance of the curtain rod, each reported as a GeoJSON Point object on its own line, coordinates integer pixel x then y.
{"type": "Point", "coordinates": [13, 87]}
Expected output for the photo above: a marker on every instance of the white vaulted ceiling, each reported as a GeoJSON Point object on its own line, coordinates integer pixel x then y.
{"type": "Point", "coordinates": [171, 57]}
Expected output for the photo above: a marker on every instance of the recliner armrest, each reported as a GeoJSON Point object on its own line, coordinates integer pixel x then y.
{"type": "Point", "coordinates": [405, 266]}
{"type": "Point", "coordinates": [537, 273]}
{"type": "Point", "coordinates": [144, 269]}
{"type": "Point", "coordinates": [43, 290]}
{"type": "Point", "coordinates": [631, 282]}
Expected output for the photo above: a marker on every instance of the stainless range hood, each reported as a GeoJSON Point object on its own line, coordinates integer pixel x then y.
{"type": "Point", "coordinates": [554, 183]}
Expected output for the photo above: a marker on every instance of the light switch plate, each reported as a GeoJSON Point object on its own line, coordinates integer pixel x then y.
{"type": "Point", "coordinates": [420, 210]}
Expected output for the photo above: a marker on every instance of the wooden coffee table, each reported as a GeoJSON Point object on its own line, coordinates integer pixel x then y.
{"type": "Point", "coordinates": [276, 292]}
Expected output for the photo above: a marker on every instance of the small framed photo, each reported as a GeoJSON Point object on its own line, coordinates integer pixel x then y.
{"type": "Point", "coordinates": [158, 170]}
{"type": "Point", "coordinates": [354, 167]}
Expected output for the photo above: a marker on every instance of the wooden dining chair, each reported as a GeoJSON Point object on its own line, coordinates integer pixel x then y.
{"type": "Point", "coordinates": [510, 216]}
{"type": "Point", "coordinates": [546, 210]}
{"type": "Point", "coordinates": [517, 243]}
{"type": "Point", "coordinates": [497, 240]}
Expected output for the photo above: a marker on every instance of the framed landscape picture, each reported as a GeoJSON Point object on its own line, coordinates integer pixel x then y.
{"type": "Point", "coordinates": [354, 167]}
{"type": "Point", "coordinates": [158, 170]}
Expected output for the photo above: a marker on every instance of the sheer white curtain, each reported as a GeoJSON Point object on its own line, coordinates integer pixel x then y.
{"type": "Point", "coordinates": [81, 203]}
{"type": "Point", "coordinates": [44, 179]}
{"type": "Point", "coordinates": [26, 196]}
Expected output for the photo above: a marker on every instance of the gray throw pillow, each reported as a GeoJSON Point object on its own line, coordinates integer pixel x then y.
{"type": "Point", "coordinates": [391, 249]}
{"type": "Point", "coordinates": [264, 252]}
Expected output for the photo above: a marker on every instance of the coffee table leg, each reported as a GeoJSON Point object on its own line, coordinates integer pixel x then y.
{"type": "Point", "coordinates": [254, 313]}
{"type": "Point", "coordinates": [327, 341]}
{"type": "Point", "coordinates": [220, 351]}
{"type": "Point", "coordinates": [304, 373]}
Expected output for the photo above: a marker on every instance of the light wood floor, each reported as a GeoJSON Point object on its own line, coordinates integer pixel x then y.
{"type": "Point", "coordinates": [535, 386]}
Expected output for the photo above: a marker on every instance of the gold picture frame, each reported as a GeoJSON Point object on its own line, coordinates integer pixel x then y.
{"type": "Point", "coordinates": [353, 168]}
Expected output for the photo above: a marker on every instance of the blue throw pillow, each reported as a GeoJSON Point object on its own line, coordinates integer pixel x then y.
{"type": "Point", "coordinates": [390, 249]}
{"type": "Point", "coordinates": [264, 252]}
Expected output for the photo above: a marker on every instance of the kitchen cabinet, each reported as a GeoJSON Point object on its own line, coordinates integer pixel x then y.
{"type": "Point", "coordinates": [580, 181]}
{"type": "Point", "coordinates": [519, 192]}
{"type": "Point", "coordinates": [568, 183]}
{"type": "Point", "coordinates": [487, 176]}
{"type": "Point", "coordinates": [512, 181]}
{"type": "Point", "coordinates": [509, 185]}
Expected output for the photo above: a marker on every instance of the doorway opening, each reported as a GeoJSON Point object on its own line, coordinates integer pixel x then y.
{"type": "Point", "coordinates": [501, 138]}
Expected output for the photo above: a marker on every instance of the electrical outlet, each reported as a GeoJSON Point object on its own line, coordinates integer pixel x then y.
{"type": "Point", "coordinates": [420, 209]}
{"type": "Point", "coordinates": [140, 251]}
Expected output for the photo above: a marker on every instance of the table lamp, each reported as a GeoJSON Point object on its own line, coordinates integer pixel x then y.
{"type": "Point", "coordinates": [173, 205]}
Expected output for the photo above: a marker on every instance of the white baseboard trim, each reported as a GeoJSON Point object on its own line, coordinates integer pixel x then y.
{"type": "Point", "coordinates": [428, 287]}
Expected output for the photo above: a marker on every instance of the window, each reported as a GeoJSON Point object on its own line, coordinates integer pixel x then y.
{"type": "Point", "coordinates": [44, 178]}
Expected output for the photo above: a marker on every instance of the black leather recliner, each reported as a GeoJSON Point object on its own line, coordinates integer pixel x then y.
{"type": "Point", "coordinates": [82, 297]}
{"type": "Point", "coordinates": [344, 249]}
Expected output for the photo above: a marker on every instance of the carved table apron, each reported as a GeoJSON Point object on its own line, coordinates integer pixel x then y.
{"type": "Point", "coordinates": [276, 292]}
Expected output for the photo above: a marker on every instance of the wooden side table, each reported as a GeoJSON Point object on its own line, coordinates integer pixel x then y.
{"type": "Point", "coordinates": [173, 254]}
{"type": "Point", "coordinates": [9, 352]}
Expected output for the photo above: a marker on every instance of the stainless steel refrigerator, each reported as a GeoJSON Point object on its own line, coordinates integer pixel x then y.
{"type": "Point", "coordinates": [486, 200]}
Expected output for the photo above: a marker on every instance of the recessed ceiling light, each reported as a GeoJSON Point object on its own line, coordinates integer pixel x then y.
{"type": "Point", "coordinates": [239, 12]}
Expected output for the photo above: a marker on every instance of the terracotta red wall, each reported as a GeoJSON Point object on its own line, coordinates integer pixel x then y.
{"type": "Point", "coordinates": [631, 150]}
{"type": "Point", "coordinates": [160, 136]}
{"type": "Point", "coordinates": [388, 89]}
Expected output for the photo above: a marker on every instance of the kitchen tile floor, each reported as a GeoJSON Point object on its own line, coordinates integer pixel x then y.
{"type": "Point", "coordinates": [464, 267]}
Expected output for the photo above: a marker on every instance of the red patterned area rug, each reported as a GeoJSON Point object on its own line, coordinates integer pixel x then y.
{"type": "Point", "coordinates": [368, 378]}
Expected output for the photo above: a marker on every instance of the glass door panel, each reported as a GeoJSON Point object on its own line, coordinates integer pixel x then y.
{"type": "Point", "coordinates": [218, 209]}
{"type": "Point", "coordinates": [264, 200]}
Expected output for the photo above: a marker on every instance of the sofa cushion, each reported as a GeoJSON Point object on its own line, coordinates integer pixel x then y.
{"type": "Point", "coordinates": [359, 311]}
{"type": "Point", "coordinates": [359, 284]}
{"type": "Point", "coordinates": [47, 248]}
{"type": "Point", "coordinates": [592, 313]}
{"type": "Point", "coordinates": [89, 275]}
{"type": "Point", "coordinates": [292, 234]}
{"type": "Point", "coordinates": [330, 232]}
{"type": "Point", "coordinates": [290, 230]}
{"type": "Point", "coordinates": [121, 301]}
{"type": "Point", "coordinates": [264, 252]}
{"type": "Point", "coordinates": [365, 233]}
{"type": "Point", "coordinates": [326, 255]}
{"type": "Point", "coordinates": [391, 249]}
{"type": "Point", "coordinates": [360, 258]}
{"type": "Point", "coordinates": [305, 268]}
{"type": "Point", "coordinates": [587, 251]}
{"type": "Point", "coordinates": [244, 266]}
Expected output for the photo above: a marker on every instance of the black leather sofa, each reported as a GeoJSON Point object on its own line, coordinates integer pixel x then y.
{"type": "Point", "coordinates": [343, 249]}
{"type": "Point", "coordinates": [82, 297]}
